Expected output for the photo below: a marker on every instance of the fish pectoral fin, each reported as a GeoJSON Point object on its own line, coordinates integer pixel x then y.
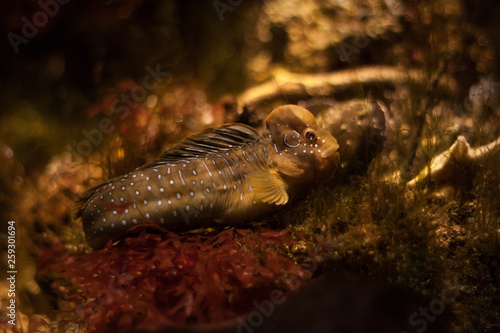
{"type": "Point", "coordinates": [268, 188]}
{"type": "Point", "coordinates": [288, 167]}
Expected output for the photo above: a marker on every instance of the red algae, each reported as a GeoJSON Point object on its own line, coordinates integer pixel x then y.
{"type": "Point", "coordinates": [157, 280]}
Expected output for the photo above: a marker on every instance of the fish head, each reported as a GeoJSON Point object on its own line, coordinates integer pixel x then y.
{"type": "Point", "coordinates": [303, 152]}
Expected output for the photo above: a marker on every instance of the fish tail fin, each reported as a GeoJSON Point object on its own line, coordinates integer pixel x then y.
{"type": "Point", "coordinates": [80, 203]}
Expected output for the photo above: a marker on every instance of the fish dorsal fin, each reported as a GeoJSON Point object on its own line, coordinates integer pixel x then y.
{"type": "Point", "coordinates": [210, 141]}
{"type": "Point", "coordinates": [268, 188]}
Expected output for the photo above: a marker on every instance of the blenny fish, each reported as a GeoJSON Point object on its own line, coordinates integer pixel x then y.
{"type": "Point", "coordinates": [229, 176]}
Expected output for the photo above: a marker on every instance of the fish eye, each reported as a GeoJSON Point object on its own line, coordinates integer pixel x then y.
{"type": "Point", "coordinates": [310, 135]}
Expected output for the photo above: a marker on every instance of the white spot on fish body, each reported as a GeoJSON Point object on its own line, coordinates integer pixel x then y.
{"type": "Point", "coordinates": [171, 182]}
{"type": "Point", "coordinates": [134, 221]}
{"type": "Point", "coordinates": [159, 202]}
{"type": "Point", "coordinates": [132, 184]}
{"type": "Point", "coordinates": [187, 208]}
{"type": "Point", "coordinates": [112, 200]}
{"type": "Point", "coordinates": [178, 196]}
{"type": "Point", "coordinates": [145, 202]}
{"type": "Point", "coordinates": [169, 202]}
{"type": "Point", "coordinates": [123, 188]}
{"type": "Point", "coordinates": [162, 220]}
{"type": "Point", "coordinates": [147, 215]}
{"type": "Point", "coordinates": [137, 193]}
{"type": "Point", "coordinates": [124, 222]}
{"type": "Point", "coordinates": [162, 189]}
{"type": "Point", "coordinates": [191, 194]}
{"type": "Point", "coordinates": [112, 225]}
{"type": "Point", "coordinates": [115, 212]}
{"type": "Point", "coordinates": [159, 177]}
{"type": "Point", "coordinates": [149, 188]}
{"type": "Point", "coordinates": [194, 173]}
{"type": "Point", "coordinates": [168, 171]}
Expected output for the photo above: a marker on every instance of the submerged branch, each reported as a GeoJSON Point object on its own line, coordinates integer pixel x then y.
{"type": "Point", "coordinates": [287, 84]}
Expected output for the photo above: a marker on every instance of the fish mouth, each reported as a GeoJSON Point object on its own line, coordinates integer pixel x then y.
{"type": "Point", "coordinates": [331, 152]}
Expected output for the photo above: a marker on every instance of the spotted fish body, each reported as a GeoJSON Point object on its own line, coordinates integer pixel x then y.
{"type": "Point", "coordinates": [228, 176]}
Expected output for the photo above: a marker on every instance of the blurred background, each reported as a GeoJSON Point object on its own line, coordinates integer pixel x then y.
{"type": "Point", "coordinates": [93, 89]}
{"type": "Point", "coordinates": [52, 79]}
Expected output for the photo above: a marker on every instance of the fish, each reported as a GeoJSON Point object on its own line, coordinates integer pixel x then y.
{"type": "Point", "coordinates": [227, 176]}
